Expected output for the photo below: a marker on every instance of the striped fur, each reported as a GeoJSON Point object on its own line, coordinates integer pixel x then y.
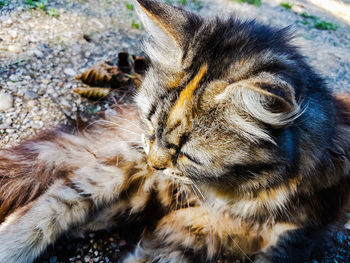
{"type": "Point", "coordinates": [246, 154]}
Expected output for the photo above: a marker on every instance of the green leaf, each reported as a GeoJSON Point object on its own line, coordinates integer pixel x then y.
{"type": "Point", "coordinates": [182, 2]}
{"type": "Point", "coordinates": [129, 6]}
{"type": "Point", "coordinates": [252, 2]}
{"type": "Point", "coordinates": [53, 12]}
{"type": "Point", "coordinates": [134, 24]}
{"type": "Point", "coordinates": [286, 5]}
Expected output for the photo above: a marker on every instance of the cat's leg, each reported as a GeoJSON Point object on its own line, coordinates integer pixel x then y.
{"type": "Point", "coordinates": [294, 246]}
{"type": "Point", "coordinates": [192, 235]}
{"type": "Point", "coordinates": [28, 231]}
{"type": "Point", "coordinates": [68, 202]}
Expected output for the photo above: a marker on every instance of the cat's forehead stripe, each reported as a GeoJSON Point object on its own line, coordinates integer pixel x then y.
{"type": "Point", "coordinates": [181, 104]}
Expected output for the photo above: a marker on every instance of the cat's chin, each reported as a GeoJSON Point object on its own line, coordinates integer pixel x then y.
{"type": "Point", "coordinates": [177, 175]}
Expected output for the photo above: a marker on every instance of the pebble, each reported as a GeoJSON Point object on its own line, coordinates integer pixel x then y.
{"type": "Point", "coordinates": [14, 48]}
{"type": "Point", "coordinates": [38, 53]}
{"type": "Point", "coordinates": [6, 101]}
{"type": "Point", "coordinates": [53, 259]}
{"type": "Point", "coordinates": [340, 237]}
{"type": "Point", "coordinates": [30, 95]}
{"type": "Point", "coordinates": [70, 72]}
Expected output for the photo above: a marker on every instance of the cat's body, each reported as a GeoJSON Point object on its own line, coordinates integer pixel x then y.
{"type": "Point", "coordinates": [246, 154]}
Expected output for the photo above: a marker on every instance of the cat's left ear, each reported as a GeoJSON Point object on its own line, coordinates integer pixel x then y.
{"type": "Point", "coordinates": [170, 29]}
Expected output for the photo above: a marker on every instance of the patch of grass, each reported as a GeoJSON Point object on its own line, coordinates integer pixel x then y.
{"type": "Point", "coordinates": [40, 4]}
{"type": "Point", "coordinates": [134, 24]}
{"type": "Point", "coordinates": [53, 12]}
{"type": "Point", "coordinates": [286, 5]}
{"type": "Point", "coordinates": [317, 22]}
{"type": "Point", "coordinates": [324, 25]}
{"type": "Point", "coordinates": [3, 3]}
{"type": "Point", "coordinates": [182, 2]}
{"type": "Point", "coordinates": [307, 37]}
{"type": "Point", "coordinates": [252, 2]}
{"type": "Point", "coordinates": [129, 6]}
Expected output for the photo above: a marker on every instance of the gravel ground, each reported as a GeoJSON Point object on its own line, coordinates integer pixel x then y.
{"type": "Point", "coordinates": [41, 51]}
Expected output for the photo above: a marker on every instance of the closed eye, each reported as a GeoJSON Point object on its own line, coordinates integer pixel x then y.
{"type": "Point", "coordinates": [192, 159]}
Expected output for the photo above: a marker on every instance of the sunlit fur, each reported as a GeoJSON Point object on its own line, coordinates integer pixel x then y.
{"type": "Point", "coordinates": [246, 154]}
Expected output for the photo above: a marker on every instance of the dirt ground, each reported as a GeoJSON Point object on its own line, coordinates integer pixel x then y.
{"type": "Point", "coordinates": [42, 49]}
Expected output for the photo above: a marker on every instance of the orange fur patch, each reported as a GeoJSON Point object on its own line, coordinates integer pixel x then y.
{"type": "Point", "coordinates": [175, 82]}
{"type": "Point", "coordinates": [182, 104]}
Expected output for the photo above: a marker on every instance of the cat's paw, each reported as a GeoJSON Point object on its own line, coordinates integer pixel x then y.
{"type": "Point", "coordinates": [137, 256]}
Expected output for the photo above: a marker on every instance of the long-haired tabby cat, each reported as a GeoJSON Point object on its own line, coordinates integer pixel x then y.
{"type": "Point", "coordinates": [246, 153]}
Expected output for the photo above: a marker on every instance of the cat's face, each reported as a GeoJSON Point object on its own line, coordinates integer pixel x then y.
{"type": "Point", "coordinates": [214, 93]}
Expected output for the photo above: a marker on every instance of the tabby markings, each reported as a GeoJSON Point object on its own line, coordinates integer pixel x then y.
{"type": "Point", "coordinates": [182, 104]}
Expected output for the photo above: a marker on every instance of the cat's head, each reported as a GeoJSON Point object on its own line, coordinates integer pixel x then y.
{"type": "Point", "coordinates": [215, 94]}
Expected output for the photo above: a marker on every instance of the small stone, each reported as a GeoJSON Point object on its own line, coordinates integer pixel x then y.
{"type": "Point", "coordinates": [96, 253]}
{"type": "Point", "coordinates": [45, 81]}
{"type": "Point", "coordinates": [106, 259]}
{"type": "Point", "coordinates": [13, 78]}
{"type": "Point", "coordinates": [38, 53]}
{"type": "Point", "coordinates": [6, 101]}
{"type": "Point", "coordinates": [340, 237]}
{"type": "Point", "coordinates": [70, 72]}
{"type": "Point", "coordinates": [86, 259]}
{"type": "Point", "coordinates": [30, 95]}
{"type": "Point", "coordinates": [347, 225]}
{"type": "Point", "coordinates": [14, 48]}
{"type": "Point", "coordinates": [53, 259]}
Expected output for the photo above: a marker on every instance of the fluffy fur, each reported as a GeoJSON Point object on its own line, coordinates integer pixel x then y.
{"type": "Point", "coordinates": [246, 153]}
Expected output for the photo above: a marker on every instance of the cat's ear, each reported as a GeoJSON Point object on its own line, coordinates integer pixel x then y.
{"type": "Point", "coordinates": [170, 29]}
{"type": "Point", "coordinates": [267, 97]}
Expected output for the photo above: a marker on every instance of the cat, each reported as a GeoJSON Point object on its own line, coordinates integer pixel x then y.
{"type": "Point", "coordinates": [245, 153]}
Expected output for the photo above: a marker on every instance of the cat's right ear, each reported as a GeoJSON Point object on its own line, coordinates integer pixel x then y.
{"type": "Point", "coordinates": [170, 29]}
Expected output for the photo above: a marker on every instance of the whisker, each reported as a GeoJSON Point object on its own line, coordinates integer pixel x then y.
{"type": "Point", "coordinates": [112, 124]}
{"type": "Point", "coordinates": [130, 122]}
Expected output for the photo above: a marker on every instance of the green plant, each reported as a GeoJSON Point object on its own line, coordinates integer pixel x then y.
{"type": "Point", "coordinates": [3, 3]}
{"type": "Point", "coordinates": [286, 5]}
{"type": "Point", "coordinates": [40, 4]}
{"type": "Point", "coordinates": [317, 22]}
{"type": "Point", "coordinates": [134, 24]}
{"type": "Point", "coordinates": [252, 2]}
{"type": "Point", "coordinates": [53, 12]}
{"type": "Point", "coordinates": [182, 2]}
{"type": "Point", "coordinates": [129, 6]}
{"type": "Point", "coordinates": [324, 25]}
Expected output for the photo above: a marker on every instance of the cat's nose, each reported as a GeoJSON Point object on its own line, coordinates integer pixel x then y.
{"type": "Point", "coordinates": [158, 158]}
